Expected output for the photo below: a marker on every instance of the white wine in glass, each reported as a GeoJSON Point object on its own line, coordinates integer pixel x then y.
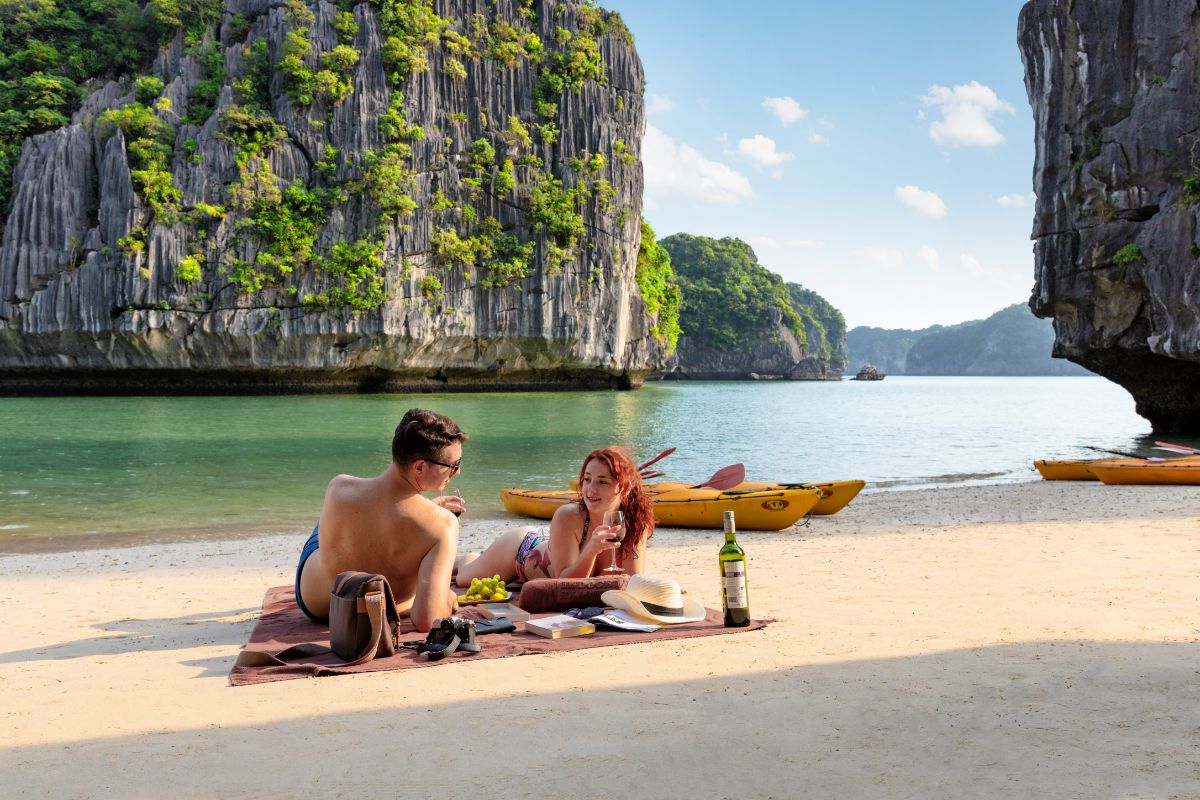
{"type": "Point", "coordinates": [615, 519]}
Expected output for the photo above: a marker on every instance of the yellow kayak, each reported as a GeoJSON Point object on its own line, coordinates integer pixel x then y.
{"type": "Point", "coordinates": [1158, 473]}
{"type": "Point", "coordinates": [1069, 469]}
{"type": "Point", "coordinates": [835, 495]}
{"type": "Point", "coordinates": [1083, 469]}
{"type": "Point", "coordinates": [679, 506]}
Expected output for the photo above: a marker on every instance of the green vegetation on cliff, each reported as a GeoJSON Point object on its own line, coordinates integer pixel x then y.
{"type": "Point", "coordinates": [729, 300]}
{"type": "Point", "coordinates": [48, 50]}
{"type": "Point", "coordinates": [659, 288]}
{"type": "Point", "coordinates": [825, 325]}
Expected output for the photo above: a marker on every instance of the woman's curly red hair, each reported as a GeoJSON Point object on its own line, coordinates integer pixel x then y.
{"type": "Point", "coordinates": [637, 506]}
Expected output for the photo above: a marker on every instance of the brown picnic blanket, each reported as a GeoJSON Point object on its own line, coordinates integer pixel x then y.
{"type": "Point", "coordinates": [282, 625]}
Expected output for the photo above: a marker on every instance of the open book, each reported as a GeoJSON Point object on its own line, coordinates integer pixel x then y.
{"type": "Point", "coordinates": [561, 625]}
{"type": "Point", "coordinates": [622, 620]}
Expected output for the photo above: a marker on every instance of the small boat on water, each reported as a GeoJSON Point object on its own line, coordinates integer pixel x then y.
{"type": "Point", "coordinates": [869, 373]}
{"type": "Point", "coordinates": [681, 506]}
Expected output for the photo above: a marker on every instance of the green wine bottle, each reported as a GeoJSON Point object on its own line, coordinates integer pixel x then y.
{"type": "Point", "coordinates": [735, 598]}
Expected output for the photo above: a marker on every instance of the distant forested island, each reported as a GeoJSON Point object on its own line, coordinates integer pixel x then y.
{"type": "Point", "coordinates": [740, 320]}
{"type": "Point", "coordinates": [1010, 342]}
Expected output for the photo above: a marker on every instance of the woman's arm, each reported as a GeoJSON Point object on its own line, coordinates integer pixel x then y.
{"type": "Point", "coordinates": [567, 558]}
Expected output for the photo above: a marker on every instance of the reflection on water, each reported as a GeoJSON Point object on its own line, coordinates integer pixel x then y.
{"type": "Point", "coordinates": [78, 465]}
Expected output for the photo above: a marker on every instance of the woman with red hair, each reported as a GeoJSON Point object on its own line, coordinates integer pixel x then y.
{"type": "Point", "coordinates": [576, 544]}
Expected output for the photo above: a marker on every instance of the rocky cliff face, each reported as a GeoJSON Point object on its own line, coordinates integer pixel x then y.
{"type": "Point", "coordinates": [394, 194]}
{"type": "Point", "coordinates": [780, 356]}
{"type": "Point", "coordinates": [1117, 175]}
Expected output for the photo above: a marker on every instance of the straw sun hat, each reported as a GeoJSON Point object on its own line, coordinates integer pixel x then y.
{"type": "Point", "coordinates": [658, 599]}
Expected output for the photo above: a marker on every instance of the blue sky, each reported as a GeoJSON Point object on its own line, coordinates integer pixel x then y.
{"type": "Point", "coordinates": [879, 153]}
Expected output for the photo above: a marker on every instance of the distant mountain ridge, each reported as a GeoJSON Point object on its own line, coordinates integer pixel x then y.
{"type": "Point", "coordinates": [1010, 342]}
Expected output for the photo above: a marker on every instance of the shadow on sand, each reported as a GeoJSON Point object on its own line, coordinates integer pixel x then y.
{"type": "Point", "coordinates": [1055, 719]}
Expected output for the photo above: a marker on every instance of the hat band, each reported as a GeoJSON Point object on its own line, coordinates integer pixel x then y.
{"type": "Point", "coordinates": [663, 611]}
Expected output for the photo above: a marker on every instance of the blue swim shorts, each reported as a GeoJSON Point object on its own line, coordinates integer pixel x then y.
{"type": "Point", "coordinates": [310, 547]}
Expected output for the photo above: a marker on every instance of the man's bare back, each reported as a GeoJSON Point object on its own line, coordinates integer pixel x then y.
{"type": "Point", "coordinates": [384, 525]}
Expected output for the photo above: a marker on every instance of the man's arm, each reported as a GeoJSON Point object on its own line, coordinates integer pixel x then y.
{"type": "Point", "coordinates": [433, 597]}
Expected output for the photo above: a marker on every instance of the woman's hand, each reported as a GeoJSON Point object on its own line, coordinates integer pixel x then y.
{"type": "Point", "coordinates": [602, 538]}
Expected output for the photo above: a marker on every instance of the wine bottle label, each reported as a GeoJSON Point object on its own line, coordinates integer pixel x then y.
{"type": "Point", "coordinates": [734, 582]}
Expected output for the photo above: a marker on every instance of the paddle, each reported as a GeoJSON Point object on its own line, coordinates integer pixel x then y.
{"type": "Point", "coordinates": [724, 478]}
{"type": "Point", "coordinates": [1114, 452]}
{"type": "Point", "coordinates": [657, 458]}
{"type": "Point", "coordinates": [1177, 448]}
{"type": "Point", "coordinates": [653, 473]}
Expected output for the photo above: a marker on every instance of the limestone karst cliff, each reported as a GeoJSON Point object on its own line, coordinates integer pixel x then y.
{"type": "Point", "coordinates": [394, 194]}
{"type": "Point", "coordinates": [1113, 85]}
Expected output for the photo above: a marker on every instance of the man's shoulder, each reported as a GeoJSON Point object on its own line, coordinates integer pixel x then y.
{"type": "Point", "coordinates": [436, 520]}
{"type": "Point", "coordinates": [346, 485]}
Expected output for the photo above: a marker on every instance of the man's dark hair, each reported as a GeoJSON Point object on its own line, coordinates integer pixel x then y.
{"type": "Point", "coordinates": [423, 434]}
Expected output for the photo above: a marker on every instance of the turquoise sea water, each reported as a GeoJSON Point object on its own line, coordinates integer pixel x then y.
{"type": "Point", "coordinates": [176, 467]}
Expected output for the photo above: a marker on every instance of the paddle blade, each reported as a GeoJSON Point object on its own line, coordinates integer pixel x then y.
{"type": "Point", "coordinates": [652, 473]}
{"type": "Point", "coordinates": [1178, 448]}
{"type": "Point", "coordinates": [725, 478]}
{"type": "Point", "coordinates": [657, 458]}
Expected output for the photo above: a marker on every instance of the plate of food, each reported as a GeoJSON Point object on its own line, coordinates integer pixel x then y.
{"type": "Point", "coordinates": [485, 590]}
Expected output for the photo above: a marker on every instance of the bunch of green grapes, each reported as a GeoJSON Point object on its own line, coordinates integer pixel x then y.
{"type": "Point", "coordinates": [485, 589]}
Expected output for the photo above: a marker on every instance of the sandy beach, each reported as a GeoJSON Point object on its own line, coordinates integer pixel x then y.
{"type": "Point", "coordinates": [1024, 640]}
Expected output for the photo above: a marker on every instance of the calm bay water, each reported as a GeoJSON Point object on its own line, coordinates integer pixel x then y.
{"type": "Point", "coordinates": [175, 467]}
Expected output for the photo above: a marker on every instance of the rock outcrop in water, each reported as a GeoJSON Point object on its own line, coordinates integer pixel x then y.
{"type": "Point", "coordinates": [740, 320]}
{"type": "Point", "coordinates": [1113, 85]}
{"type": "Point", "coordinates": [403, 195]}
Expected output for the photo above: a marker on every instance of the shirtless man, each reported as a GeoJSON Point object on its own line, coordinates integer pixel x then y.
{"type": "Point", "coordinates": [384, 525]}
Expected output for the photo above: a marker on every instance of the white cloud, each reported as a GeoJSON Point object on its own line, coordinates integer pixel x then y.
{"type": "Point", "coordinates": [923, 202]}
{"type": "Point", "coordinates": [971, 264]}
{"type": "Point", "coordinates": [671, 167]}
{"type": "Point", "coordinates": [659, 104]}
{"type": "Point", "coordinates": [1015, 200]}
{"type": "Point", "coordinates": [804, 244]}
{"type": "Point", "coordinates": [966, 112]}
{"type": "Point", "coordinates": [816, 138]}
{"type": "Point", "coordinates": [931, 258]}
{"type": "Point", "coordinates": [764, 243]}
{"type": "Point", "coordinates": [884, 256]}
{"type": "Point", "coordinates": [785, 109]}
{"type": "Point", "coordinates": [761, 150]}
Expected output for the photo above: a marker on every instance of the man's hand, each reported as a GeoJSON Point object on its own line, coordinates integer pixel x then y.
{"type": "Point", "coordinates": [453, 600]}
{"type": "Point", "coordinates": [455, 505]}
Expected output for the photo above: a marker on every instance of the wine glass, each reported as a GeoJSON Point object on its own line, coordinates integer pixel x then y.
{"type": "Point", "coordinates": [615, 519]}
{"type": "Point", "coordinates": [454, 491]}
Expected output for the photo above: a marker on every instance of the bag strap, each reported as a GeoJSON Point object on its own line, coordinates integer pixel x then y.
{"type": "Point", "coordinates": [374, 605]}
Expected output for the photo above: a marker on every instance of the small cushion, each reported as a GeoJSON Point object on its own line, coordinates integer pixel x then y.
{"type": "Point", "coordinates": [560, 594]}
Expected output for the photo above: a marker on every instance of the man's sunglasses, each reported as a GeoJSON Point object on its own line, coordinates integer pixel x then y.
{"type": "Point", "coordinates": [455, 467]}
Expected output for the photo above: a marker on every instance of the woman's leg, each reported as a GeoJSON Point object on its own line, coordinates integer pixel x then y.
{"type": "Point", "coordinates": [499, 559]}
